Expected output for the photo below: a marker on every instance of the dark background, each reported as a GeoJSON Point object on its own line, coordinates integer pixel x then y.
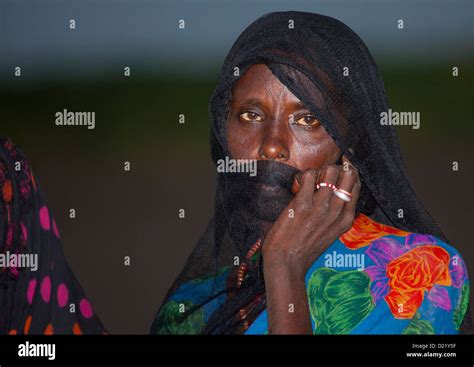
{"type": "Point", "coordinates": [174, 71]}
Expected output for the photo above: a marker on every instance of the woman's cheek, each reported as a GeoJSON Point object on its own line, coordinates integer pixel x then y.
{"type": "Point", "coordinates": [310, 156]}
{"type": "Point", "coordinates": [241, 144]}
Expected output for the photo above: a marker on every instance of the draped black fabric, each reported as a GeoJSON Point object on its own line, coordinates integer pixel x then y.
{"type": "Point", "coordinates": [329, 68]}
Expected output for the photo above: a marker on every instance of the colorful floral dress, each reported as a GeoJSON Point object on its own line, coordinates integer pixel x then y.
{"type": "Point", "coordinates": [374, 279]}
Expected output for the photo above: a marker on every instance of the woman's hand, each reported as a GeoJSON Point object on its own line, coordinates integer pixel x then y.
{"type": "Point", "coordinates": [313, 220]}
{"type": "Point", "coordinates": [295, 241]}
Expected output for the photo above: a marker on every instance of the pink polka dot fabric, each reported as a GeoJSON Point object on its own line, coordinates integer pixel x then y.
{"type": "Point", "coordinates": [47, 299]}
{"type": "Point", "coordinates": [46, 289]}
{"type": "Point", "coordinates": [44, 218]}
{"type": "Point", "coordinates": [63, 295]}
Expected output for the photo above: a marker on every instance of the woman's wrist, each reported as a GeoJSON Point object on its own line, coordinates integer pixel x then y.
{"type": "Point", "coordinates": [287, 303]}
{"type": "Point", "coordinates": [276, 267]}
{"type": "Point", "coordinates": [291, 265]}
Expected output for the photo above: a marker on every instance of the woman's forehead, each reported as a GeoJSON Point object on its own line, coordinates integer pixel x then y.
{"type": "Point", "coordinates": [259, 84]}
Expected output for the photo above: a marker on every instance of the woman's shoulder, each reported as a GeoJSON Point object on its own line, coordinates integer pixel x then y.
{"type": "Point", "coordinates": [367, 232]}
{"type": "Point", "coordinates": [13, 159]}
{"type": "Point", "coordinates": [9, 147]}
{"type": "Point", "coordinates": [406, 259]}
{"type": "Point", "coordinates": [412, 273]}
{"type": "Point", "coordinates": [16, 176]}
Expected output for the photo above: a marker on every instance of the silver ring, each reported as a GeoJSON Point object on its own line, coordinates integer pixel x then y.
{"type": "Point", "coordinates": [342, 196]}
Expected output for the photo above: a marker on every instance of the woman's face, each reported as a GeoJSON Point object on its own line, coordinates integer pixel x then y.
{"type": "Point", "coordinates": [266, 121]}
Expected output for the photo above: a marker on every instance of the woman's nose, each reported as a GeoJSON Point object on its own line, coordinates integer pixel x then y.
{"type": "Point", "coordinates": [274, 146]}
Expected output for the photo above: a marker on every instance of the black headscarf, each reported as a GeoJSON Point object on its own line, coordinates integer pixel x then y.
{"type": "Point", "coordinates": [329, 68]}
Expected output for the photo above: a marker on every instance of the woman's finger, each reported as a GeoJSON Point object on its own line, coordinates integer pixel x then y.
{"type": "Point", "coordinates": [346, 164]}
{"type": "Point", "coordinates": [329, 177]}
{"type": "Point", "coordinates": [345, 184]}
{"type": "Point", "coordinates": [350, 207]}
{"type": "Point", "coordinates": [308, 183]}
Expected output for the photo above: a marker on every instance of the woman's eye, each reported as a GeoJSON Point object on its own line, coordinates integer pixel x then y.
{"type": "Point", "coordinates": [308, 120]}
{"type": "Point", "coordinates": [250, 116]}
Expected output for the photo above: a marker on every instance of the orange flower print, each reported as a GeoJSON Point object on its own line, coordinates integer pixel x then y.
{"type": "Point", "coordinates": [7, 191]}
{"type": "Point", "coordinates": [49, 330]}
{"type": "Point", "coordinates": [33, 181]}
{"type": "Point", "coordinates": [76, 329]}
{"type": "Point", "coordinates": [413, 273]}
{"type": "Point", "coordinates": [364, 230]}
{"type": "Point", "coordinates": [27, 326]}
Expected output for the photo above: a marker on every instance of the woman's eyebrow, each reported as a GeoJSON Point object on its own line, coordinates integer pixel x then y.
{"type": "Point", "coordinates": [298, 105]}
{"type": "Point", "coordinates": [251, 101]}
{"type": "Point", "coordinates": [258, 103]}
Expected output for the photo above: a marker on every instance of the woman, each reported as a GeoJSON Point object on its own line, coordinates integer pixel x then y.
{"type": "Point", "coordinates": [328, 237]}
{"type": "Point", "coordinates": [39, 294]}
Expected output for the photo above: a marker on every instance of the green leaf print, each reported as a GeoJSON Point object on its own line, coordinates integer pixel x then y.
{"type": "Point", "coordinates": [418, 327]}
{"type": "Point", "coordinates": [461, 307]}
{"type": "Point", "coordinates": [338, 301]}
{"type": "Point", "coordinates": [175, 322]}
